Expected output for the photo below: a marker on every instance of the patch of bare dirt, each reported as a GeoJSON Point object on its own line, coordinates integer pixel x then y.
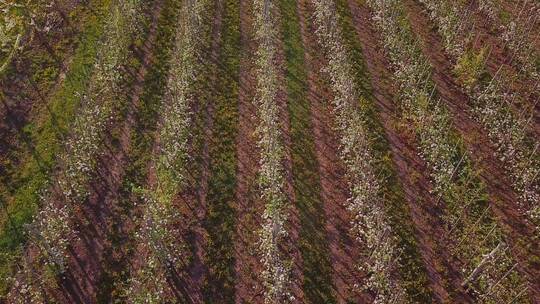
{"type": "Point", "coordinates": [249, 207]}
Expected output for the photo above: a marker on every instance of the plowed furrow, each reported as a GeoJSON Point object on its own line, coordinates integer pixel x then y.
{"type": "Point", "coordinates": [249, 207]}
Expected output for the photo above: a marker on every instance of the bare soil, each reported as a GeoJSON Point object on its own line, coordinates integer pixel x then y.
{"type": "Point", "coordinates": [249, 207]}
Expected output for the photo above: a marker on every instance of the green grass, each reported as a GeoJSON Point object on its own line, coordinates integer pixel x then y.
{"type": "Point", "coordinates": [412, 269]}
{"type": "Point", "coordinates": [220, 224]}
{"type": "Point", "coordinates": [44, 138]}
{"type": "Point", "coordinates": [470, 68]}
{"type": "Point", "coordinates": [318, 286]}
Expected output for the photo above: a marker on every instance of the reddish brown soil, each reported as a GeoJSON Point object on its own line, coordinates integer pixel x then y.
{"type": "Point", "coordinates": [248, 207]}
{"type": "Point", "coordinates": [412, 171]}
{"type": "Point", "coordinates": [502, 197]}
{"type": "Point", "coordinates": [96, 216]}
{"type": "Point", "coordinates": [344, 252]}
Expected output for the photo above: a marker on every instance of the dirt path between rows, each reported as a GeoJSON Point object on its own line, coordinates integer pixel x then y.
{"type": "Point", "coordinates": [249, 207]}
{"type": "Point", "coordinates": [343, 251]}
{"type": "Point", "coordinates": [412, 171]}
{"type": "Point", "coordinates": [197, 271]}
{"type": "Point", "coordinates": [502, 197]}
{"type": "Point", "coordinates": [96, 216]}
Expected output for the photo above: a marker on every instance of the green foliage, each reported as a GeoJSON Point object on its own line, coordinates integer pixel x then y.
{"type": "Point", "coordinates": [505, 16]}
{"type": "Point", "coordinates": [222, 182]}
{"type": "Point", "coordinates": [470, 67]}
{"type": "Point", "coordinates": [112, 287]}
{"type": "Point", "coordinates": [46, 135]}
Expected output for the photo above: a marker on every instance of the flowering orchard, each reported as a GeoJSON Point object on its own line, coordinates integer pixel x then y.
{"type": "Point", "coordinates": [518, 32]}
{"type": "Point", "coordinates": [256, 151]}
{"type": "Point", "coordinates": [158, 237]}
{"type": "Point", "coordinates": [492, 104]}
{"type": "Point", "coordinates": [52, 229]}
{"type": "Point", "coordinates": [468, 223]}
{"type": "Point", "coordinates": [370, 226]}
{"type": "Point", "coordinates": [276, 273]}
